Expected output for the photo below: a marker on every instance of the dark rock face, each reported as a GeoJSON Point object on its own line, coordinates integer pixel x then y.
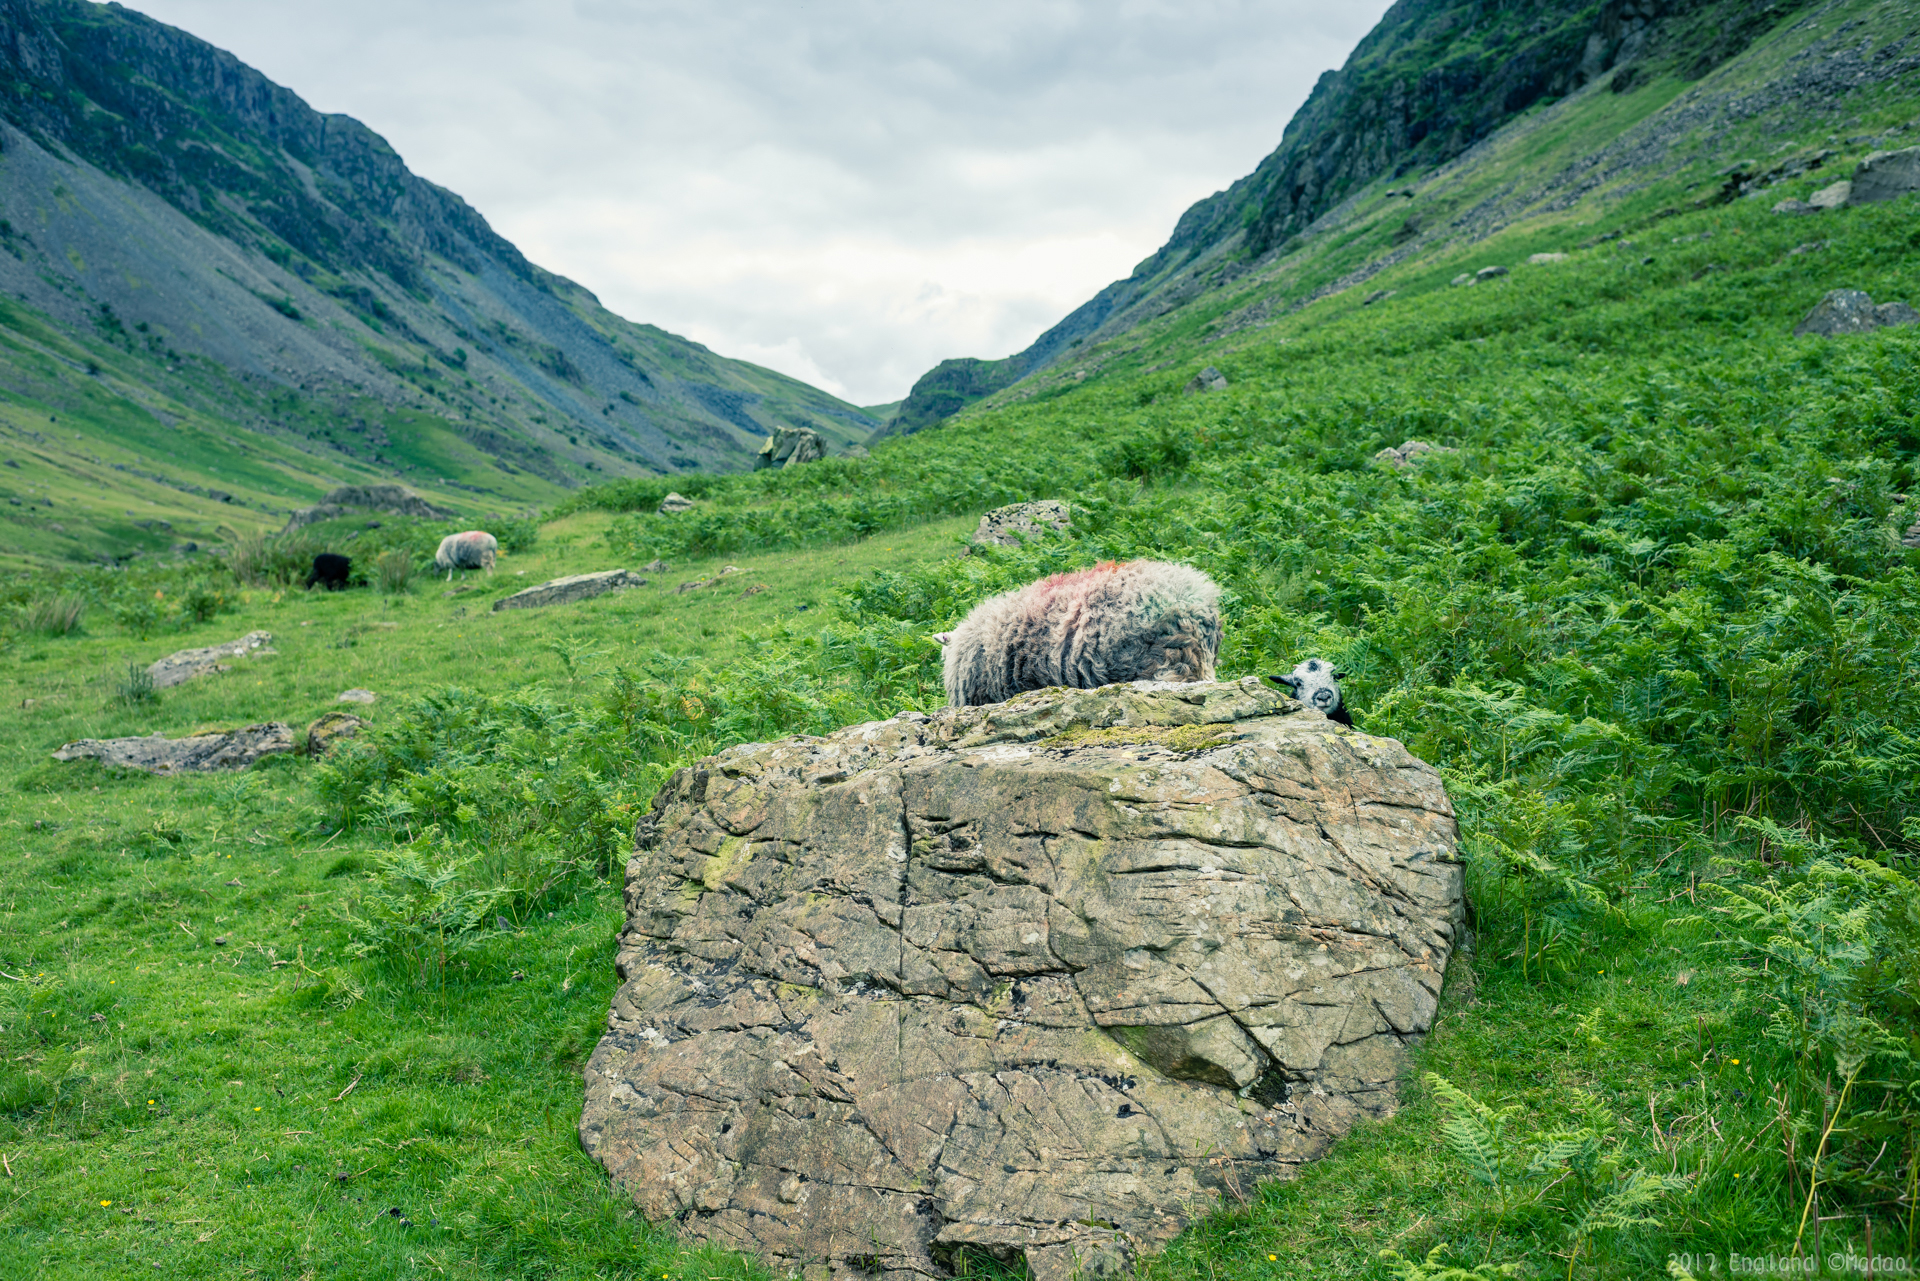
{"type": "Point", "coordinates": [1852, 311]}
{"type": "Point", "coordinates": [374, 498]}
{"type": "Point", "coordinates": [200, 753]}
{"type": "Point", "coordinates": [1886, 175]}
{"type": "Point", "coordinates": [1045, 977]}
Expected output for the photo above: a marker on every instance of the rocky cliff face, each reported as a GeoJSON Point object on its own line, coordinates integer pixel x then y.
{"type": "Point", "coordinates": [303, 255]}
{"type": "Point", "coordinates": [1044, 978]}
{"type": "Point", "coordinates": [1433, 79]}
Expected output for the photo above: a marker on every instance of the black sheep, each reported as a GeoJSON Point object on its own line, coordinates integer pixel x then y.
{"type": "Point", "coordinates": [330, 569]}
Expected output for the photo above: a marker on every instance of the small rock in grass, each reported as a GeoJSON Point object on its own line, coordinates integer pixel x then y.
{"type": "Point", "coordinates": [330, 729]}
{"type": "Point", "coordinates": [1208, 379]}
{"type": "Point", "coordinates": [1540, 260]}
{"type": "Point", "coordinates": [1490, 273]}
{"type": "Point", "coordinates": [356, 695]}
{"type": "Point", "coordinates": [222, 941]}
{"type": "Point", "coordinates": [1464, 278]}
{"type": "Point", "coordinates": [674, 504]}
{"type": "Point", "coordinates": [1794, 207]}
{"type": "Point", "coordinates": [1833, 197]}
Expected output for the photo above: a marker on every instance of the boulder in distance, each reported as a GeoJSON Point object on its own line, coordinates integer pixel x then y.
{"type": "Point", "coordinates": [1488, 273]}
{"type": "Point", "coordinates": [790, 447]}
{"type": "Point", "coordinates": [1403, 456]}
{"type": "Point", "coordinates": [197, 753]}
{"type": "Point", "coordinates": [1886, 175]}
{"type": "Point", "coordinates": [1833, 197]}
{"type": "Point", "coordinates": [673, 504]}
{"type": "Point", "coordinates": [1045, 978]}
{"type": "Point", "coordinates": [1852, 311]}
{"type": "Point", "coordinates": [564, 591]}
{"type": "Point", "coordinates": [1208, 379]}
{"type": "Point", "coordinates": [1014, 524]}
{"type": "Point", "coordinates": [379, 498]}
{"type": "Point", "coordinates": [183, 665]}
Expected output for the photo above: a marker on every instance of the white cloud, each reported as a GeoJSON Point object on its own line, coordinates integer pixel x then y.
{"type": "Point", "coordinates": [846, 190]}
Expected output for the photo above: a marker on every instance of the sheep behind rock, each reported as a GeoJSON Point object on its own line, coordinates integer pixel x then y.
{"type": "Point", "coordinates": [1317, 684]}
{"type": "Point", "coordinates": [1141, 620]}
{"type": "Point", "coordinates": [469, 549]}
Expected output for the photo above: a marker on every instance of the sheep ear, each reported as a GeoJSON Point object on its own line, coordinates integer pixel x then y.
{"type": "Point", "coordinates": [943, 637]}
{"type": "Point", "coordinates": [1339, 676]}
{"type": "Point", "coordinates": [1291, 682]}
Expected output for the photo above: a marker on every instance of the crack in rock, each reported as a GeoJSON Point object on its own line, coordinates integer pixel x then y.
{"type": "Point", "coordinates": [922, 985]}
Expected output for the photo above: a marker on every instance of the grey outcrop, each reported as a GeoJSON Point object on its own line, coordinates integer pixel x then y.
{"type": "Point", "coordinates": [674, 504]}
{"type": "Point", "coordinates": [1015, 523]}
{"type": "Point", "coordinates": [1403, 456]}
{"type": "Point", "coordinates": [1886, 175]}
{"type": "Point", "coordinates": [790, 447]}
{"type": "Point", "coordinates": [197, 753]}
{"type": "Point", "coordinates": [1852, 311]}
{"type": "Point", "coordinates": [564, 591]}
{"type": "Point", "coordinates": [1044, 977]}
{"type": "Point", "coordinates": [183, 665]}
{"type": "Point", "coordinates": [348, 499]}
{"type": "Point", "coordinates": [1208, 379]}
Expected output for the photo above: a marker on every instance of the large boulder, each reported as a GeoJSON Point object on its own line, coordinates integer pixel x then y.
{"type": "Point", "coordinates": [348, 499]}
{"type": "Point", "coordinates": [1044, 977]}
{"type": "Point", "coordinates": [564, 591]}
{"type": "Point", "coordinates": [1886, 175]}
{"type": "Point", "coordinates": [185, 664]}
{"type": "Point", "coordinates": [197, 753]}
{"type": "Point", "coordinates": [1014, 524]}
{"type": "Point", "coordinates": [790, 447]}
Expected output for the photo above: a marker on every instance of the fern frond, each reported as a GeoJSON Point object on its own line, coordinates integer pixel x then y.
{"type": "Point", "coordinates": [1473, 1131]}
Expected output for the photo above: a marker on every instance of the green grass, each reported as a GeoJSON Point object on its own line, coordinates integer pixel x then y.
{"type": "Point", "coordinates": [1651, 619]}
{"type": "Point", "coordinates": [117, 888]}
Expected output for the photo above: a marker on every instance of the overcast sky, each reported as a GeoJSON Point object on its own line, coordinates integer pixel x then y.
{"type": "Point", "coordinates": [848, 191]}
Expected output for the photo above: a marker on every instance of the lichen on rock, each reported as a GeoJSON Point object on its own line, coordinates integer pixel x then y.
{"type": "Point", "coordinates": [1044, 977]}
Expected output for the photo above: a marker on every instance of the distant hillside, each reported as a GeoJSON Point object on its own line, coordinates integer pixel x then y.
{"type": "Point", "coordinates": [216, 247]}
{"type": "Point", "coordinates": [1435, 80]}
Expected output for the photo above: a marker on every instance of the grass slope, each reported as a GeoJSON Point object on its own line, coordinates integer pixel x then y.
{"type": "Point", "coordinates": [1652, 618]}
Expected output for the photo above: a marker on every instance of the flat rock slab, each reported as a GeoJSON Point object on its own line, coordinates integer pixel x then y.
{"type": "Point", "coordinates": [198, 753]}
{"type": "Point", "coordinates": [183, 666]}
{"type": "Point", "coordinates": [564, 591]}
{"type": "Point", "coordinates": [1042, 977]}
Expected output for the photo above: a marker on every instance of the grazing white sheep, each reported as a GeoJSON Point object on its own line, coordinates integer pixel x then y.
{"type": "Point", "coordinates": [1317, 684]}
{"type": "Point", "coordinates": [1141, 620]}
{"type": "Point", "coordinates": [469, 549]}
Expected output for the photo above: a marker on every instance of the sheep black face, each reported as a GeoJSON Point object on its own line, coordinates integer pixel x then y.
{"type": "Point", "coordinates": [1317, 684]}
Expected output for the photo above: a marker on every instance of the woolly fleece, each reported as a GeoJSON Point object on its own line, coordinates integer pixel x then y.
{"type": "Point", "coordinates": [1141, 620]}
{"type": "Point", "coordinates": [469, 549]}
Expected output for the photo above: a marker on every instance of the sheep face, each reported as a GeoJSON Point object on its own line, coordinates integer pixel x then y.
{"type": "Point", "coordinates": [1317, 684]}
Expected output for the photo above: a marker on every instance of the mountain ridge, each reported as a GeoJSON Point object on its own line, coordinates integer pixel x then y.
{"type": "Point", "coordinates": [204, 235]}
{"type": "Point", "coordinates": [1433, 80]}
